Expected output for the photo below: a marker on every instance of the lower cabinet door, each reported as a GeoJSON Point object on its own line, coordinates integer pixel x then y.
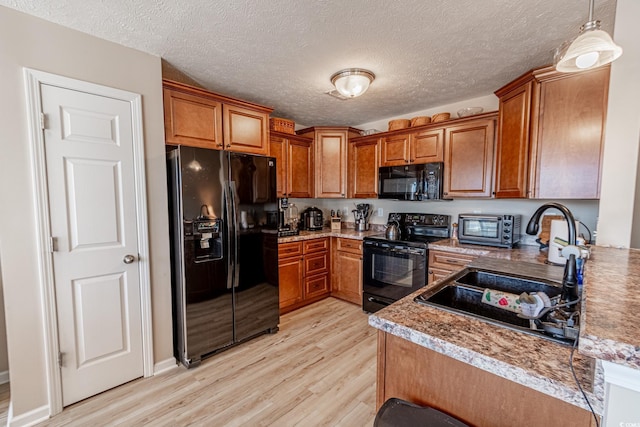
{"type": "Point", "coordinates": [291, 271]}
{"type": "Point", "coordinates": [348, 277]}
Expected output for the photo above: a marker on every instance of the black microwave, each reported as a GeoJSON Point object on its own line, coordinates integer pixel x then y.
{"type": "Point", "coordinates": [491, 230]}
{"type": "Point", "coordinates": [411, 182]}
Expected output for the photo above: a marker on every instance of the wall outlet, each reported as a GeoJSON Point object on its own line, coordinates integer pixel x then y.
{"type": "Point", "coordinates": [380, 212]}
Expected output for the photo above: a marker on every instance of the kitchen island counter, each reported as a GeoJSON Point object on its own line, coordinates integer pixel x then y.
{"type": "Point", "coordinates": [528, 360]}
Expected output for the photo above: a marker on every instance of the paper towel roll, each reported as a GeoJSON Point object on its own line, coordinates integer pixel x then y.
{"type": "Point", "coordinates": [559, 229]}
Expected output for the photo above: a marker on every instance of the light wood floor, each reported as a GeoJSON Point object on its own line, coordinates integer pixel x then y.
{"type": "Point", "coordinates": [318, 370]}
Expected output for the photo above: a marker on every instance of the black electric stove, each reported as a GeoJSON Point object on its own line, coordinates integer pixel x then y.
{"type": "Point", "coordinates": [393, 269]}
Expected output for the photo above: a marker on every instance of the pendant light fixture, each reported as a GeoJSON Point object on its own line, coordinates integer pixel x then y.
{"type": "Point", "coordinates": [352, 82]}
{"type": "Point", "coordinates": [591, 49]}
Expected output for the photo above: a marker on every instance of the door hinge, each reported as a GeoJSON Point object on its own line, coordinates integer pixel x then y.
{"type": "Point", "coordinates": [53, 244]}
{"type": "Point", "coordinates": [60, 359]}
{"type": "Point", "coordinates": [42, 121]}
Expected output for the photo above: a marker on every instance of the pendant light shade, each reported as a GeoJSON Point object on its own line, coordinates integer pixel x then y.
{"type": "Point", "coordinates": [352, 82]}
{"type": "Point", "coordinates": [591, 49]}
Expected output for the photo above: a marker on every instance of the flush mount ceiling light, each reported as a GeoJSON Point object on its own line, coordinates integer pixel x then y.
{"type": "Point", "coordinates": [352, 82]}
{"type": "Point", "coordinates": [592, 48]}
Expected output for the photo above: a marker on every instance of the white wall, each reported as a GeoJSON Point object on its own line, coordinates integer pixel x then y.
{"type": "Point", "coordinates": [26, 41]}
{"type": "Point", "coordinates": [620, 163]}
{"type": "Point", "coordinates": [4, 356]}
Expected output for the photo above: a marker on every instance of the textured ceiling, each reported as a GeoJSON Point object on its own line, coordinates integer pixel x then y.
{"type": "Point", "coordinates": [281, 53]}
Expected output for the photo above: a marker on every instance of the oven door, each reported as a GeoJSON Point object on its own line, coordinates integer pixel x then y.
{"type": "Point", "coordinates": [393, 271]}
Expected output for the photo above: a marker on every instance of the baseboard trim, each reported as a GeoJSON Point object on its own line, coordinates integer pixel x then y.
{"type": "Point", "coordinates": [28, 419]}
{"type": "Point", "coordinates": [165, 365]}
{"type": "Point", "coordinates": [4, 377]}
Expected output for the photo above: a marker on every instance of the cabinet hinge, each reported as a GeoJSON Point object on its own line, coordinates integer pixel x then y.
{"type": "Point", "coordinates": [42, 121]}
{"type": "Point", "coordinates": [53, 244]}
{"type": "Point", "coordinates": [60, 359]}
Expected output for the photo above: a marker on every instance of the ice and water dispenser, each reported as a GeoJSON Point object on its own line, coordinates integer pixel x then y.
{"type": "Point", "coordinates": [206, 239]}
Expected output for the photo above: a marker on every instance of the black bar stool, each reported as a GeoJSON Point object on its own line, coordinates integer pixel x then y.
{"type": "Point", "coordinates": [400, 413]}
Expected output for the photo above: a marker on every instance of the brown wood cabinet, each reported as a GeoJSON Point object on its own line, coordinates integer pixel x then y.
{"type": "Point", "coordinates": [199, 118]}
{"type": "Point", "coordinates": [417, 374]}
{"type": "Point", "coordinates": [442, 264]}
{"type": "Point", "coordinates": [303, 269]}
{"type": "Point", "coordinates": [330, 159]}
{"type": "Point", "coordinates": [363, 168]}
{"type": "Point", "coordinates": [468, 158]}
{"type": "Point", "coordinates": [346, 278]}
{"type": "Point", "coordinates": [294, 162]}
{"type": "Point", "coordinates": [550, 134]}
{"type": "Point", "coordinates": [424, 146]}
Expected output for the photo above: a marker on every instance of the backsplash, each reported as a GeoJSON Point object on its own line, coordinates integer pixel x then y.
{"type": "Point", "coordinates": [585, 211]}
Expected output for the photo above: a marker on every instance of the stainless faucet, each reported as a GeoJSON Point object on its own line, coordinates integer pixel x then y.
{"type": "Point", "coordinates": [532, 226]}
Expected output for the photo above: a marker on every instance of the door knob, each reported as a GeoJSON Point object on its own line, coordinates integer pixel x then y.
{"type": "Point", "coordinates": [128, 259]}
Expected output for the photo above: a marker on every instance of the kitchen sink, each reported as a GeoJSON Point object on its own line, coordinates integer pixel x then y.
{"type": "Point", "coordinates": [462, 294]}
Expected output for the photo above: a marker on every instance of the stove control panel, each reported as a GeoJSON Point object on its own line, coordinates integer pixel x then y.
{"type": "Point", "coordinates": [420, 219]}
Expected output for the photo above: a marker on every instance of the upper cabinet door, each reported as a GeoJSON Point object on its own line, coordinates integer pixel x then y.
{"type": "Point", "coordinates": [394, 150]}
{"type": "Point", "coordinates": [300, 168]}
{"type": "Point", "coordinates": [468, 160]}
{"type": "Point", "coordinates": [363, 168]}
{"type": "Point", "coordinates": [427, 146]}
{"type": "Point", "coordinates": [192, 120]}
{"type": "Point", "coordinates": [245, 130]}
{"type": "Point", "coordinates": [278, 149]}
{"type": "Point", "coordinates": [512, 149]}
{"type": "Point", "coordinates": [331, 163]}
{"type": "Point", "coordinates": [571, 117]}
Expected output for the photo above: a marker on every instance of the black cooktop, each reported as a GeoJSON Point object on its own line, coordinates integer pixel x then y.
{"type": "Point", "coordinates": [416, 229]}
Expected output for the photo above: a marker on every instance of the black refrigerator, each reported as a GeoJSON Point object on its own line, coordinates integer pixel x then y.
{"type": "Point", "coordinates": [224, 249]}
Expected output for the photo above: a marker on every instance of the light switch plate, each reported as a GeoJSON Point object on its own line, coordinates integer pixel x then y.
{"type": "Point", "coordinates": [380, 212]}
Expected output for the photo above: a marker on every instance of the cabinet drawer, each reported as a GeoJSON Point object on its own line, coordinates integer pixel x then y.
{"type": "Point", "coordinates": [286, 250]}
{"type": "Point", "coordinates": [436, 274]}
{"type": "Point", "coordinates": [350, 245]}
{"type": "Point", "coordinates": [316, 264]}
{"type": "Point", "coordinates": [315, 245]}
{"type": "Point", "coordinates": [316, 285]}
{"type": "Point", "coordinates": [449, 260]}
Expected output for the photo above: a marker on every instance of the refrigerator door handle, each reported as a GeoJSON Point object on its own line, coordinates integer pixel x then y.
{"type": "Point", "coordinates": [231, 231]}
{"type": "Point", "coordinates": [235, 207]}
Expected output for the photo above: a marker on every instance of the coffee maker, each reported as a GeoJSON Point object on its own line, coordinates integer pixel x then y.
{"type": "Point", "coordinates": [284, 226]}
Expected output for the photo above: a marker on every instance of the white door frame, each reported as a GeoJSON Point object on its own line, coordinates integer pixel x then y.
{"type": "Point", "coordinates": [33, 80]}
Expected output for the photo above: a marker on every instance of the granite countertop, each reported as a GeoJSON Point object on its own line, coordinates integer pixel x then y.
{"type": "Point", "coordinates": [348, 233]}
{"type": "Point", "coordinates": [611, 295]}
{"type": "Point", "coordinates": [525, 359]}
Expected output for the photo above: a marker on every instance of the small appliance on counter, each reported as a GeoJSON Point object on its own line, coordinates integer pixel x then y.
{"type": "Point", "coordinates": [502, 231]}
{"type": "Point", "coordinates": [287, 222]}
{"type": "Point", "coordinates": [311, 219]}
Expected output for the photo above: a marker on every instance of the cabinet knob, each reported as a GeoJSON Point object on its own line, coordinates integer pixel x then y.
{"type": "Point", "coordinates": [406, 161]}
{"type": "Point", "coordinates": [228, 145]}
{"type": "Point", "coordinates": [219, 145]}
{"type": "Point", "coordinates": [342, 194]}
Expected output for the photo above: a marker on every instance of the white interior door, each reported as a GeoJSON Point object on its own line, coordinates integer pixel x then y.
{"type": "Point", "coordinates": [92, 205]}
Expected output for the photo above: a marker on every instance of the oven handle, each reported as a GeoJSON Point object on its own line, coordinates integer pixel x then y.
{"type": "Point", "coordinates": [377, 301]}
